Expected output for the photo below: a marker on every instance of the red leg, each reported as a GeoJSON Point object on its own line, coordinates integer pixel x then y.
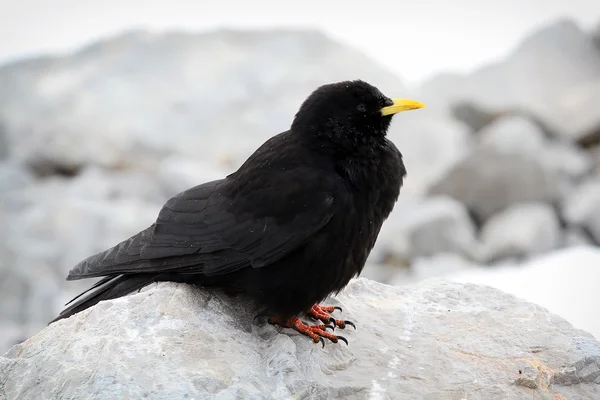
{"type": "Point", "coordinates": [315, 332]}
{"type": "Point", "coordinates": [321, 313]}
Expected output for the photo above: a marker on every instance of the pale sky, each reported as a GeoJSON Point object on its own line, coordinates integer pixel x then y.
{"type": "Point", "coordinates": [412, 38]}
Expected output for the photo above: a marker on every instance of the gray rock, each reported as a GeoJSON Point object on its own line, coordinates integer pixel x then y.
{"type": "Point", "coordinates": [472, 115]}
{"type": "Point", "coordinates": [581, 208]}
{"type": "Point", "coordinates": [575, 237]}
{"type": "Point", "coordinates": [175, 341]}
{"type": "Point", "coordinates": [522, 230]}
{"type": "Point", "coordinates": [488, 181]}
{"type": "Point", "coordinates": [577, 116]}
{"type": "Point", "coordinates": [568, 161]}
{"type": "Point", "coordinates": [435, 225]}
{"type": "Point", "coordinates": [513, 135]}
{"type": "Point", "coordinates": [516, 134]}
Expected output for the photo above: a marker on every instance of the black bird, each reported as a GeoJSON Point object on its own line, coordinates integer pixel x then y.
{"type": "Point", "coordinates": [292, 225]}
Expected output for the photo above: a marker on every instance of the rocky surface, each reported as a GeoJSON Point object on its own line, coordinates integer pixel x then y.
{"type": "Point", "coordinates": [174, 341]}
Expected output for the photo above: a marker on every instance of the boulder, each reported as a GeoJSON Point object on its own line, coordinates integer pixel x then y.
{"type": "Point", "coordinates": [438, 340]}
{"type": "Point", "coordinates": [522, 230]}
{"type": "Point", "coordinates": [521, 135]}
{"type": "Point", "coordinates": [472, 115]}
{"type": "Point", "coordinates": [513, 135]}
{"type": "Point", "coordinates": [425, 228]}
{"type": "Point", "coordinates": [581, 208]}
{"type": "Point", "coordinates": [488, 181]}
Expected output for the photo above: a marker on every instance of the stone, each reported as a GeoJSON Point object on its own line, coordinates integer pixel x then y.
{"type": "Point", "coordinates": [577, 116]}
{"type": "Point", "coordinates": [427, 341]}
{"type": "Point", "coordinates": [433, 225]}
{"type": "Point", "coordinates": [569, 162]}
{"type": "Point", "coordinates": [472, 115]}
{"type": "Point", "coordinates": [580, 208]}
{"type": "Point", "coordinates": [565, 281]}
{"type": "Point", "coordinates": [513, 135]}
{"type": "Point", "coordinates": [520, 231]}
{"type": "Point", "coordinates": [575, 237]}
{"type": "Point", "coordinates": [518, 134]}
{"type": "Point", "coordinates": [488, 181]}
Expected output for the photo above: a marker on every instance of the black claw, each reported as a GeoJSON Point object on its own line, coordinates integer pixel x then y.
{"type": "Point", "coordinates": [332, 321]}
{"type": "Point", "coordinates": [338, 308]}
{"type": "Point", "coordinates": [343, 339]}
{"type": "Point", "coordinates": [350, 323]}
{"type": "Point", "coordinates": [322, 342]}
{"type": "Point", "coordinates": [329, 326]}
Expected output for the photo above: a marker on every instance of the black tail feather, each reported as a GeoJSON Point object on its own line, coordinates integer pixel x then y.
{"type": "Point", "coordinates": [110, 287]}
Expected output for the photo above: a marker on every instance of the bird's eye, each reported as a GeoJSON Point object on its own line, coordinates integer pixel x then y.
{"type": "Point", "coordinates": [361, 108]}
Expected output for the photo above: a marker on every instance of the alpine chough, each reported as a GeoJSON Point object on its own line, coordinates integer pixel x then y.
{"type": "Point", "coordinates": [291, 226]}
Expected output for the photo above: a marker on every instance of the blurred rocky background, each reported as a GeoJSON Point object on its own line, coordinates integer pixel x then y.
{"type": "Point", "coordinates": [503, 164]}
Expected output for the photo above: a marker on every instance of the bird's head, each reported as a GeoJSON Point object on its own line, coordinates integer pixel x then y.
{"type": "Point", "coordinates": [349, 109]}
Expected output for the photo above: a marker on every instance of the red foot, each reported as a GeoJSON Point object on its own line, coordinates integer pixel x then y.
{"type": "Point", "coordinates": [315, 332]}
{"type": "Point", "coordinates": [321, 313]}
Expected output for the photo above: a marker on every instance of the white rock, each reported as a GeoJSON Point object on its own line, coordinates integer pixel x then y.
{"type": "Point", "coordinates": [521, 230]}
{"type": "Point", "coordinates": [428, 341]}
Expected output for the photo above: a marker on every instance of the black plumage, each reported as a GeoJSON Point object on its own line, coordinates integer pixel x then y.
{"type": "Point", "coordinates": [292, 225]}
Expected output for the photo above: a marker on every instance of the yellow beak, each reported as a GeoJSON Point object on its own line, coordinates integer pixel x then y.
{"type": "Point", "coordinates": [401, 105]}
